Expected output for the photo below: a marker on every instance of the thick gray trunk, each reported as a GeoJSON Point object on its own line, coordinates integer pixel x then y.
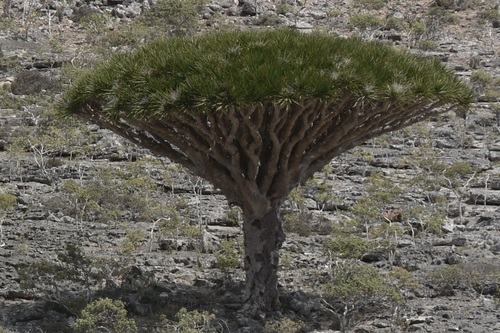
{"type": "Point", "coordinates": [263, 238]}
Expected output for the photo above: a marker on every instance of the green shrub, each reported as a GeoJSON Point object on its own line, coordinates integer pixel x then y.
{"type": "Point", "coordinates": [115, 193]}
{"type": "Point", "coordinates": [72, 266]}
{"type": "Point", "coordinates": [355, 290]}
{"type": "Point", "coordinates": [458, 170]}
{"type": "Point", "coordinates": [333, 13]}
{"type": "Point", "coordinates": [394, 23]}
{"type": "Point", "coordinates": [232, 217]}
{"type": "Point", "coordinates": [371, 4]}
{"type": "Point", "coordinates": [483, 277]}
{"type": "Point", "coordinates": [283, 9]}
{"type": "Point", "coordinates": [229, 256]}
{"type": "Point", "coordinates": [436, 19]}
{"type": "Point", "coordinates": [297, 219]}
{"type": "Point", "coordinates": [285, 325]}
{"type": "Point", "coordinates": [132, 241]}
{"type": "Point", "coordinates": [365, 22]}
{"type": "Point", "coordinates": [418, 29]}
{"type": "Point", "coordinates": [7, 203]}
{"type": "Point", "coordinates": [297, 222]}
{"type": "Point", "coordinates": [481, 79]}
{"type": "Point", "coordinates": [105, 314]}
{"type": "Point", "coordinates": [433, 222]}
{"type": "Point", "coordinates": [402, 278]}
{"type": "Point", "coordinates": [490, 15]}
{"type": "Point", "coordinates": [440, 15]}
{"type": "Point", "coordinates": [428, 45]}
{"type": "Point", "coordinates": [125, 36]}
{"type": "Point", "coordinates": [174, 16]}
{"type": "Point", "coordinates": [192, 322]}
{"type": "Point", "coordinates": [446, 279]}
{"type": "Point", "coordinates": [349, 247]}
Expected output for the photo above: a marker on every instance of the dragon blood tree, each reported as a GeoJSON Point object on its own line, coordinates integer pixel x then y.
{"type": "Point", "coordinates": [259, 112]}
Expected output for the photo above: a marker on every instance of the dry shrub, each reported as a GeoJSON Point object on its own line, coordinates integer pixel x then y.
{"type": "Point", "coordinates": [31, 82]}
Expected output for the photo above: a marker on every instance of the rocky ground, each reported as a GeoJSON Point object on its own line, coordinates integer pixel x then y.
{"type": "Point", "coordinates": [426, 199]}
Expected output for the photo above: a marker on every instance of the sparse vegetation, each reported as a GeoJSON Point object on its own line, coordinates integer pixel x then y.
{"type": "Point", "coordinates": [229, 256]}
{"type": "Point", "coordinates": [371, 4]}
{"type": "Point", "coordinates": [490, 15]}
{"type": "Point", "coordinates": [349, 247]}
{"type": "Point", "coordinates": [232, 216]}
{"type": "Point", "coordinates": [174, 16]}
{"type": "Point", "coordinates": [355, 289]}
{"type": "Point", "coordinates": [73, 266]}
{"type": "Point", "coordinates": [193, 322]}
{"type": "Point", "coordinates": [31, 82]}
{"type": "Point", "coordinates": [389, 200]}
{"type": "Point", "coordinates": [365, 22]}
{"type": "Point", "coordinates": [105, 314]}
{"type": "Point", "coordinates": [7, 204]}
{"type": "Point", "coordinates": [286, 325]}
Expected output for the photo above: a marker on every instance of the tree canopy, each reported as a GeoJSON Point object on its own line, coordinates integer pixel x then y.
{"type": "Point", "coordinates": [224, 70]}
{"type": "Point", "coordinates": [258, 112]}
{"type": "Point", "coordinates": [188, 95]}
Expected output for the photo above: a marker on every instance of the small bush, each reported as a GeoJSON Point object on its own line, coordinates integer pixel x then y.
{"type": "Point", "coordinates": [191, 322]}
{"type": "Point", "coordinates": [229, 255]}
{"type": "Point", "coordinates": [84, 14]}
{"type": "Point", "coordinates": [232, 217]}
{"type": "Point", "coordinates": [355, 289]}
{"type": "Point", "coordinates": [131, 35]}
{"type": "Point", "coordinates": [105, 314]}
{"type": "Point", "coordinates": [440, 15]}
{"type": "Point", "coordinates": [428, 45]}
{"type": "Point", "coordinates": [268, 19]}
{"type": "Point", "coordinates": [284, 9]}
{"type": "Point", "coordinates": [481, 80]}
{"type": "Point", "coordinates": [365, 22]}
{"type": "Point", "coordinates": [445, 280]}
{"type": "Point", "coordinates": [483, 277]}
{"type": "Point", "coordinates": [7, 203]}
{"type": "Point", "coordinates": [455, 4]}
{"type": "Point", "coordinates": [458, 169]}
{"type": "Point", "coordinates": [434, 222]}
{"type": "Point", "coordinates": [490, 15]}
{"type": "Point", "coordinates": [349, 247]}
{"type": "Point", "coordinates": [297, 222]}
{"type": "Point", "coordinates": [132, 241]}
{"type": "Point", "coordinates": [31, 82]}
{"type": "Point", "coordinates": [402, 278]}
{"type": "Point", "coordinates": [71, 267]}
{"type": "Point", "coordinates": [286, 325]}
{"type": "Point", "coordinates": [394, 23]}
{"type": "Point", "coordinates": [371, 4]}
{"type": "Point", "coordinates": [177, 17]}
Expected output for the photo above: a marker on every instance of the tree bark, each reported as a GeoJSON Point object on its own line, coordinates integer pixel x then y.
{"type": "Point", "coordinates": [263, 238]}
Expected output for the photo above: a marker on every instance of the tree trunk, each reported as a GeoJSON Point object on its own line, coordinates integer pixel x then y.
{"type": "Point", "coordinates": [263, 238]}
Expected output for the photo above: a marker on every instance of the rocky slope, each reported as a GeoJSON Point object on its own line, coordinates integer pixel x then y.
{"type": "Point", "coordinates": [436, 185]}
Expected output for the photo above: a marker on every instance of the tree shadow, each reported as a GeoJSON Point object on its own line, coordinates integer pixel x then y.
{"type": "Point", "coordinates": [154, 305]}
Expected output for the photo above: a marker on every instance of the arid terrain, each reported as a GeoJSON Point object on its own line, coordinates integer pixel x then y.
{"type": "Point", "coordinates": [86, 215]}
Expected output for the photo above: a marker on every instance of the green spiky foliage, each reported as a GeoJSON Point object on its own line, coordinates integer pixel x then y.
{"type": "Point", "coordinates": [259, 112]}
